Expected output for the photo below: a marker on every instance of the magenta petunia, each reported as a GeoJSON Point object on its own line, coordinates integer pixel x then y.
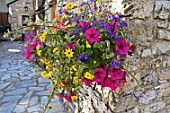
{"type": "Point", "coordinates": [122, 46]}
{"type": "Point", "coordinates": [87, 81]}
{"type": "Point", "coordinates": [35, 43]}
{"type": "Point", "coordinates": [100, 74]}
{"type": "Point", "coordinates": [116, 73]}
{"type": "Point", "coordinates": [28, 52]}
{"type": "Point", "coordinates": [83, 24]}
{"type": "Point", "coordinates": [70, 45]}
{"type": "Point", "coordinates": [61, 95]}
{"type": "Point", "coordinates": [114, 84]}
{"type": "Point", "coordinates": [92, 35]}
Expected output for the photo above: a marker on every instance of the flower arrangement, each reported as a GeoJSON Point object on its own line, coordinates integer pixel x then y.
{"type": "Point", "coordinates": [87, 43]}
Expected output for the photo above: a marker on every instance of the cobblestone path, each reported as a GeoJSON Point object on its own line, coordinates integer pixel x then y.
{"type": "Point", "coordinates": [22, 91]}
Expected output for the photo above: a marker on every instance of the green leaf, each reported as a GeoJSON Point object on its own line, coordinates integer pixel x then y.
{"type": "Point", "coordinates": [82, 48]}
{"type": "Point", "coordinates": [96, 45]}
{"type": "Point", "coordinates": [89, 51]}
{"type": "Point", "coordinates": [108, 43]}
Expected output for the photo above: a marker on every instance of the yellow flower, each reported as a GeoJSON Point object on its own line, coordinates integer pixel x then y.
{"type": "Point", "coordinates": [63, 17]}
{"type": "Point", "coordinates": [69, 53]}
{"type": "Point", "coordinates": [39, 52]}
{"type": "Point", "coordinates": [47, 67]}
{"type": "Point", "coordinates": [50, 74]}
{"type": "Point", "coordinates": [55, 49]}
{"type": "Point", "coordinates": [45, 33]}
{"type": "Point", "coordinates": [70, 5]}
{"type": "Point", "coordinates": [47, 62]}
{"type": "Point", "coordinates": [94, 62]}
{"type": "Point", "coordinates": [31, 23]}
{"type": "Point", "coordinates": [38, 32]}
{"type": "Point", "coordinates": [41, 60]}
{"type": "Point", "coordinates": [88, 76]}
{"type": "Point", "coordinates": [74, 98]}
{"type": "Point", "coordinates": [44, 74]}
{"type": "Point", "coordinates": [88, 45]}
{"type": "Point", "coordinates": [77, 9]}
{"type": "Point", "coordinates": [74, 67]}
{"type": "Point", "coordinates": [38, 47]}
{"type": "Point", "coordinates": [42, 38]}
{"type": "Point", "coordinates": [76, 79]}
{"type": "Point", "coordinates": [60, 84]}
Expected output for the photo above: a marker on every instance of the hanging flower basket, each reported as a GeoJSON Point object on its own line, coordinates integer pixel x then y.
{"type": "Point", "coordinates": [85, 44]}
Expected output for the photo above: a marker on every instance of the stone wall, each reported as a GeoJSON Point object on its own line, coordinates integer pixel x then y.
{"type": "Point", "coordinates": [148, 87]}
{"type": "Point", "coordinates": [18, 9]}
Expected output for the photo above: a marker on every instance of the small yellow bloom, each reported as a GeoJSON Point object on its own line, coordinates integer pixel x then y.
{"type": "Point", "coordinates": [47, 62]}
{"type": "Point", "coordinates": [70, 5]}
{"type": "Point", "coordinates": [44, 74]}
{"type": "Point", "coordinates": [55, 49]}
{"type": "Point", "coordinates": [88, 44]}
{"type": "Point", "coordinates": [77, 9]}
{"type": "Point", "coordinates": [38, 47]}
{"type": "Point", "coordinates": [42, 38]}
{"type": "Point", "coordinates": [38, 32]}
{"type": "Point", "coordinates": [41, 60]}
{"type": "Point", "coordinates": [31, 23]}
{"type": "Point", "coordinates": [69, 53]}
{"type": "Point", "coordinates": [45, 33]}
{"type": "Point", "coordinates": [47, 67]}
{"type": "Point", "coordinates": [74, 67]}
{"type": "Point", "coordinates": [63, 17]}
{"type": "Point", "coordinates": [60, 84]}
{"type": "Point", "coordinates": [39, 52]}
{"type": "Point", "coordinates": [94, 62]}
{"type": "Point", "coordinates": [74, 98]}
{"type": "Point", "coordinates": [76, 79]}
{"type": "Point", "coordinates": [88, 76]}
{"type": "Point", "coordinates": [50, 74]}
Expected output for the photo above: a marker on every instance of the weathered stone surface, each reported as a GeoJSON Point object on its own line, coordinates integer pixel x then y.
{"type": "Point", "coordinates": [34, 108]}
{"type": "Point", "coordinates": [8, 107]}
{"type": "Point", "coordinates": [20, 108]}
{"type": "Point", "coordinates": [34, 100]}
{"type": "Point", "coordinates": [162, 24]}
{"type": "Point", "coordinates": [11, 98]}
{"type": "Point", "coordinates": [3, 85]}
{"type": "Point", "coordinates": [163, 34]}
{"type": "Point", "coordinates": [16, 92]}
{"type": "Point", "coordinates": [146, 97]}
{"type": "Point", "coordinates": [146, 53]}
{"type": "Point", "coordinates": [26, 98]}
{"type": "Point", "coordinates": [36, 88]}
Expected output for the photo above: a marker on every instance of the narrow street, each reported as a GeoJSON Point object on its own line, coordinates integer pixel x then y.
{"type": "Point", "coordinates": [22, 91]}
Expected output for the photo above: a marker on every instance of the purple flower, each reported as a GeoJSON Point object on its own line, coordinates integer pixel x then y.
{"type": "Point", "coordinates": [41, 28]}
{"type": "Point", "coordinates": [86, 56]}
{"type": "Point", "coordinates": [78, 31]}
{"type": "Point", "coordinates": [124, 23]}
{"type": "Point", "coordinates": [80, 57]}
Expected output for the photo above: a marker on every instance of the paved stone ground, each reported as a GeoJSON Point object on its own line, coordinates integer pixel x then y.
{"type": "Point", "coordinates": [21, 91]}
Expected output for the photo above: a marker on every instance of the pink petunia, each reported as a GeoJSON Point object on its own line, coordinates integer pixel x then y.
{"type": "Point", "coordinates": [100, 74]}
{"type": "Point", "coordinates": [83, 24]}
{"type": "Point", "coordinates": [116, 73]}
{"type": "Point", "coordinates": [68, 98]}
{"type": "Point", "coordinates": [122, 46]}
{"type": "Point", "coordinates": [92, 35]}
{"type": "Point", "coordinates": [35, 43]}
{"type": "Point", "coordinates": [28, 52]}
{"type": "Point", "coordinates": [61, 95]}
{"type": "Point", "coordinates": [70, 45]}
{"type": "Point", "coordinates": [87, 81]}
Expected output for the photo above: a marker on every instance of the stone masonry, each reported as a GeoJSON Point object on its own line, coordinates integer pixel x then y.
{"type": "Point", "coordinates": [148, 80]}
{"type": "Point", "coordinates": [19, 9]}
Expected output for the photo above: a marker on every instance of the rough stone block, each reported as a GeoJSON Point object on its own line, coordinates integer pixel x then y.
{"type": "Point", "coordinates": [164, 34]}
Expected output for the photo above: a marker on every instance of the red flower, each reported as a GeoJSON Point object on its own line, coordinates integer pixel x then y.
{"type": "Point", "coordinates": [99, 74]}
{"type": "Point", "coordinates": [92, 35]}
{"type": "Point", "coordinates": [70, 45]}
{"type": "Point", "coordinates": [61, 95]}
{"type": "Point", "coordinates": [122, 46]}
{"type": "Point", "coordinates": [116, 73]}
{"type": "Point", "coordinates": [87, 81]}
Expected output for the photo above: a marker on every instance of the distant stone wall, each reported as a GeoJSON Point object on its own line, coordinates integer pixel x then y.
{"type": "Point", "coordinates": [18, 9]}
{"type": "Point", "coordinates": [150, 93]}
